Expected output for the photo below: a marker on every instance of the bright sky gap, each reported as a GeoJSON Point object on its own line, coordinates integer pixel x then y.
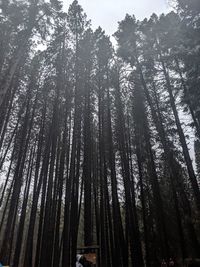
{"type": "Point", "coordinates": [107, 13]}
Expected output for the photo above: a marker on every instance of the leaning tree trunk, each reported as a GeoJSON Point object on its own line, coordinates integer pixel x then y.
{"type": "Point", "coordinates": [186, 154]}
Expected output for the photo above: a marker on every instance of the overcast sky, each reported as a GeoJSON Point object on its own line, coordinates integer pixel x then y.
{"type": "Point", "coordinates": [106, 13]}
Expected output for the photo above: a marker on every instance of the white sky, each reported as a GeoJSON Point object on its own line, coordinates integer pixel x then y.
{"type": "Point", "coordinates": [107, 13]}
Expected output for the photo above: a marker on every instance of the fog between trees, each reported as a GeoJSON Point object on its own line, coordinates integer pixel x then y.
{"type": "Point", "coordinates": [93, 143]}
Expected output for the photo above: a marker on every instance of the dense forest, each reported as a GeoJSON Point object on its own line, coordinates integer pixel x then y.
{"type": "Point", "coordinates": [99, 145]}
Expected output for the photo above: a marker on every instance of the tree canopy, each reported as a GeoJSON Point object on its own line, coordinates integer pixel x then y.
{"type": "Point", "coordinates": [99, 145]}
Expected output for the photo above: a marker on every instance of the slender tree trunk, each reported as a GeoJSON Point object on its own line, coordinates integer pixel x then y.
{"type": "Point", "coordinates": [186, 154]}
{"type": "Point", "coordinates": [135, 243]}
{"type": "Point", "coordinates": [121, 251]}
{"type": "Point", "coordinates": [186, 94]}
{"type": "Point", "coordinates": [20, 231]}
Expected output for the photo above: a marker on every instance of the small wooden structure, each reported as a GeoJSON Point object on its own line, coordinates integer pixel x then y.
{"type": "Point", "coordinates": [91, 253]}
{"type": "Point", "coordinates": [192, 262]}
